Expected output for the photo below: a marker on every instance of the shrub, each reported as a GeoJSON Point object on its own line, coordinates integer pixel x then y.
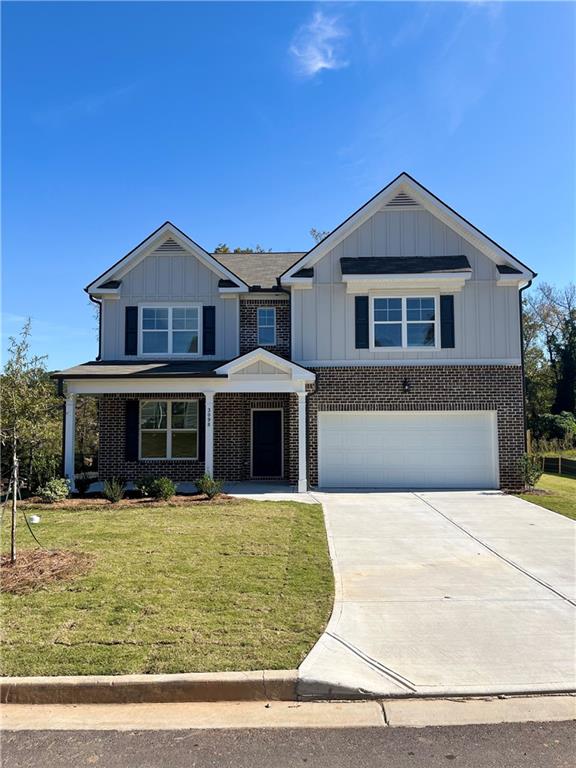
{"type": "Point", "coordinates": [555, 426]}
{"type": "Point", "coordinates": [531, 466]}
{"type": "Point", "coordinates": [162, 488]}
{"type": "Point", "coordinates": [144, 486]}
{"type": "Point", "coordinates": [114, 489]}
{"type": "Point", "coordinates": [56, 489]}
{"type": "Point", "coordinates": [208, 486]}
{"type": "Point", "coordinates": [82, 484]}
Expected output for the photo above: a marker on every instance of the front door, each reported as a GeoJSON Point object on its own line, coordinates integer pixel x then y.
{"type": "Point", "coordinates": [267, 443]}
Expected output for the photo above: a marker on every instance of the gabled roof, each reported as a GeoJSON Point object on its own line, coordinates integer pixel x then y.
{"type": "Point", "coordinates": [296, 371]}
{"type": "Point", "coordinates": [121, 267]}
{"type": "Point", "coordinates": [405, 192]}
{"type": "Point", "coordinates": [261, 269]}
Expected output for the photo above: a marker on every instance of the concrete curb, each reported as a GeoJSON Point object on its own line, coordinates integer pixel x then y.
{"type": "Point", "coordinates": [262, 685]}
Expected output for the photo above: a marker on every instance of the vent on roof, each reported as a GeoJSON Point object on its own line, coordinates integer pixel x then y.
{"type": "Point", "coordinates": [170, 245]}
{"type": "Point", "coordinates": [402, 200]}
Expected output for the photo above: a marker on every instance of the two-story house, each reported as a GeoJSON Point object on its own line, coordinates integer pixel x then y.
{"type": "Point", "coordinates": [387, 356]}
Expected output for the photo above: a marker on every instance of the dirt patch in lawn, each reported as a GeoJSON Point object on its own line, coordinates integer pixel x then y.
{"type": "Point", "coordinates": [35, 568]}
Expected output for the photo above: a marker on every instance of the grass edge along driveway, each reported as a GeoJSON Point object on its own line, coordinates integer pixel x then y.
{"type": "Point", "coordinates": [561, 498]}
{"type": "Point", "coordinates": [231, 585]}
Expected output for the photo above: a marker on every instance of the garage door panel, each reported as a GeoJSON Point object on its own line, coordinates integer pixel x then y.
{"type": "Point", "coordinates": [426, 449]}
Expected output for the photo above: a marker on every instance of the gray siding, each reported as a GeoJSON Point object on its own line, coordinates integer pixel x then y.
{"type": "Point", "coordinates": [486, 316]}
{"type": "Point", "coordinates": [164, 277]}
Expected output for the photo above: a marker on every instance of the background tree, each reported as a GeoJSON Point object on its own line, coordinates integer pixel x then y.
{"type": "Point", "coordinates": [223, 248]}
{"type": "Point", "coordinates": [318, 234]}
{"type": "Point", "coordinates": [31, 424]}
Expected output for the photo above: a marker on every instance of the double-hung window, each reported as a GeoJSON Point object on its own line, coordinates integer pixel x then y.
{"type": "Point", "coordinates": [169, 429]}
{"type": "Point", "coordinates": [266, 326]}
{"type": "Point", "coordinates": [405, 322]}
{"type": "Point", "coordinates": [170, 330]}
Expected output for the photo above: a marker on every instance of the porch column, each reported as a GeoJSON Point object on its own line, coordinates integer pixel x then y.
{"type": "Point", "coordinates": [302, 468]}
{"type": "Point", "coordinates": [70, 438]}
{"type": "Point", "coordinates": [209, 434]}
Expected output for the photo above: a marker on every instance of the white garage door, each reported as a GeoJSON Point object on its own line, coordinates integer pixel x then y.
{"type": "Point", "coordinates": [399, 449]}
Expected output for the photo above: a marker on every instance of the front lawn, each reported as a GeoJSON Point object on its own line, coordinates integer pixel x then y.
{"type": "Point", "coordinates": [210, 587]}
{"type": "Point", "coordinates": [561, 495]}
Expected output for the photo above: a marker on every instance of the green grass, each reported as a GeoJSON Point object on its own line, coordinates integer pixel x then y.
{"type": "Point", "coordinates": [562, 498]}
{"type": "Point", "coordinates": [210, 587]}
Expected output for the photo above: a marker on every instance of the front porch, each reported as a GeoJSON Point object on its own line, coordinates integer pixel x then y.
{"type": "Point", "coordinates": [243, 421]}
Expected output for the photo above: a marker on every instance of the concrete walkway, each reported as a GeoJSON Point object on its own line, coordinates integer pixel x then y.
{"type": "Point", "coordinates": [445, 593]}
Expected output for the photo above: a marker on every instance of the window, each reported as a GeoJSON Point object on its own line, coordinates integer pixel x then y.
{"type": "Point", "coordinates": [169, 429]}
{"type": "Point", "coordinates": [266, 326]}
{"type": "Point", "coordinates": [404, 322]}
{"type": "Point", "coordinates": [170, 330]}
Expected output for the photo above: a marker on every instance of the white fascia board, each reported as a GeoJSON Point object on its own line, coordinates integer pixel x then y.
{"type": "Point", "coordinates": [175, 386]}
{"type": "Point", "coordinates": [439, 281]}
{"type": "Point", "coordinates": [264, 355]}
{"type": "Point", "coordinates": [147, 246]}
{"type": "Point", "coordinates": [434, 206]}
{"type": "Point", "coordinates": [299, 282]}
{"type": "Point", "coordinates": [519, 281]}
{"type": "Point", "coordinates": [234, 291]}
{"type": "Point", "coordinates": [106, 294]}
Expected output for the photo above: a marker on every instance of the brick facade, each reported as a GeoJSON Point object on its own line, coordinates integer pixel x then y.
{"type": "Point", "coordinates": [440, 388]}
{"type": "Point", "coordinates": [249, 324]}
{"type": "Point", "coordinates": [232, 438]}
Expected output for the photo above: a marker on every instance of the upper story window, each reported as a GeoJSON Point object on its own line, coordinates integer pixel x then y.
{"type": "Point", "coordinates": [404, 322]}
{"type": "Point", "coordinates": [266, 326]}
{"type": "Point", "coordinates": [170, 330]}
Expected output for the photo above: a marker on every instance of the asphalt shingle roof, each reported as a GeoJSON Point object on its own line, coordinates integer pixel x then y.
{"type": "Point", "coordinates": [403, 265]}
{"type": "Point", "coordinates": [258, 268]}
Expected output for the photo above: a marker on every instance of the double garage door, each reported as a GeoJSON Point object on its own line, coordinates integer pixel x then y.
{"type": "Point", "coordinates": [400, 449]}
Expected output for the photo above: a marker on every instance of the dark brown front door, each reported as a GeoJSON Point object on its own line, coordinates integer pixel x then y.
{"type": "Point", "coordinates": [267, 443]}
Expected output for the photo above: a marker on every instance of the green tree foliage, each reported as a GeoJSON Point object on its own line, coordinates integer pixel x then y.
{"type": "Point", "coordinates": [223, 248]}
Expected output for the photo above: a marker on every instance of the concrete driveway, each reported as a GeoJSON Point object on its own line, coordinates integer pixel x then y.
{"type": "Point", "coordinates": [446, 593]}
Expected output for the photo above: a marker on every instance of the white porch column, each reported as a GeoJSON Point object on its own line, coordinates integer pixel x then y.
{"type": "Point", "coordinates": [70, 438]}
{"type": "Point", "coordinates": [302, 464]}
{"type": "Point", "coordinates": [209, 434]}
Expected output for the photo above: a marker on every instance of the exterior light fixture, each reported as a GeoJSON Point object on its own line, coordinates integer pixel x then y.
{"type": "Point", "coordinates": [406, 386]}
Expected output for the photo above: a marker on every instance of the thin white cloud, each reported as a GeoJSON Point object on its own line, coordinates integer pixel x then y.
{"type": "Point", "coordinates": [318, 45]}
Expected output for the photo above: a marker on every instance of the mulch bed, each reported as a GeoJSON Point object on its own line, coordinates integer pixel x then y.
{"type": "Point", "coordinates": [96, 501]}
{"type": "Point", "coordinates": [35, 568]}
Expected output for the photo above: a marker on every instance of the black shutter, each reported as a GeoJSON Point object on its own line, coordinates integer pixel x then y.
{"type": "Point", "coordinates": [209, 330]}
{"type": "Point", "coordinates": [447, 321]}
{"type": "Point", "coordinates": [131, 331]}
{"type": "Point", "coordinates": [361, 309]}
{"type": "Point", "coordinates": [202, 429]}
{"type": "Point", "coordinates": [132, 428]}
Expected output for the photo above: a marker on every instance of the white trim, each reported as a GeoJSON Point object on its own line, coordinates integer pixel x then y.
{"type": "Point", "coordinates": [209, 434]}
{"type": "Point", "coordinates": [150, 244]}
{"type": "Point", "coordinates": [70, 439]}
{"type": "Point", "coordinates": [404, 322]}
{"type": "Point", "coordinates": [252, 411]}
{"type": "Point", "coordinates": [168, 430]}
{"type": "Point", "coordinates": [302, 457]}
{"type": "Point", "coordinates": [415, 362]}
{"type": "Point", "coordinates": [426, 200]}
{"type": "Point", "coordinates": [266, 309]}
{"type": "Point", "coordinates": [439, 281]}
{"type": "Point", "coordinates": [182, 385]}
{"type": "Point", "coordinates": [169, 306]}
{"type": "Point", "coordinates": [264, 355]}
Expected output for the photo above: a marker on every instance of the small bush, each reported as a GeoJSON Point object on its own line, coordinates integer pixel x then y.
{"type": "Point", "coordinates": [82, 484]}
{"type": "Point", "coordinates": [208, 486]}
{"type": "Point", "coordinates": [162, 488]}
{"type": "Point", "coordinates": [531, 466]}
{"type": "Point", "coordinates": [555, 426]}
{"type": "Point", "coordinates": [114, 489]}
{"type": "Point", "coordinates": [56, 489]}
{"type": "Point", "coordinates": [144, 486]}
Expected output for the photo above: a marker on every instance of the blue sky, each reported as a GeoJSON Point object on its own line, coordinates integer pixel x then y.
{"type": "Point", "coordinates": [253, 122]}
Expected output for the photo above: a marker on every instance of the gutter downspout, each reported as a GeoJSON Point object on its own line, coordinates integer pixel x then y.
{"type": "Point", "coordinates": [98, 303]}
{"type": "Point", "coordinates": [522, 360]}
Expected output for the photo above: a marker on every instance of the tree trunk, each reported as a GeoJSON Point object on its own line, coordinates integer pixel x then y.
{"type": "Point", "coordinates": [14, 493]}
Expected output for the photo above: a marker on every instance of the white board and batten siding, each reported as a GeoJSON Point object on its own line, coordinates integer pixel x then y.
{"type": "Point", "coordinates": [407, 449]}
{"type": "Point", "coordinates": [487, 323]}
{"type": "Point", "coordinates": [170, 275]}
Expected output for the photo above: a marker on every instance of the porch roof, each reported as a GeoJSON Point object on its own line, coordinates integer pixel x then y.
{"type": "Point", "coordinates": [151, 369]}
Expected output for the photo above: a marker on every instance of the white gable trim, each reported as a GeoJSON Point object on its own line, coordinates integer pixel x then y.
{"type": "Point", "coordinates": [264, 355]}
{"type": "Point", "coordinates": [405, 183]}
{"type": "Point", "coordinates": [138, 254]}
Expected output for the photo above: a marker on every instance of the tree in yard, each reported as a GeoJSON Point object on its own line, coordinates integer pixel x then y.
{"type": "Point", "coordinates": [30, 413]}
{"type": "Point", "coordinates": [318, 234]}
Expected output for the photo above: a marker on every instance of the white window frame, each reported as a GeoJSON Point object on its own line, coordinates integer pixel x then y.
{"type": "Point", "coordinates": [169, 307]}
{"type": "Point", "coordinates": [269, 343]}
{"type": "Point", "coordinates": [405, 322]}
{"type": "Point", "coordinates": [168, 430]}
